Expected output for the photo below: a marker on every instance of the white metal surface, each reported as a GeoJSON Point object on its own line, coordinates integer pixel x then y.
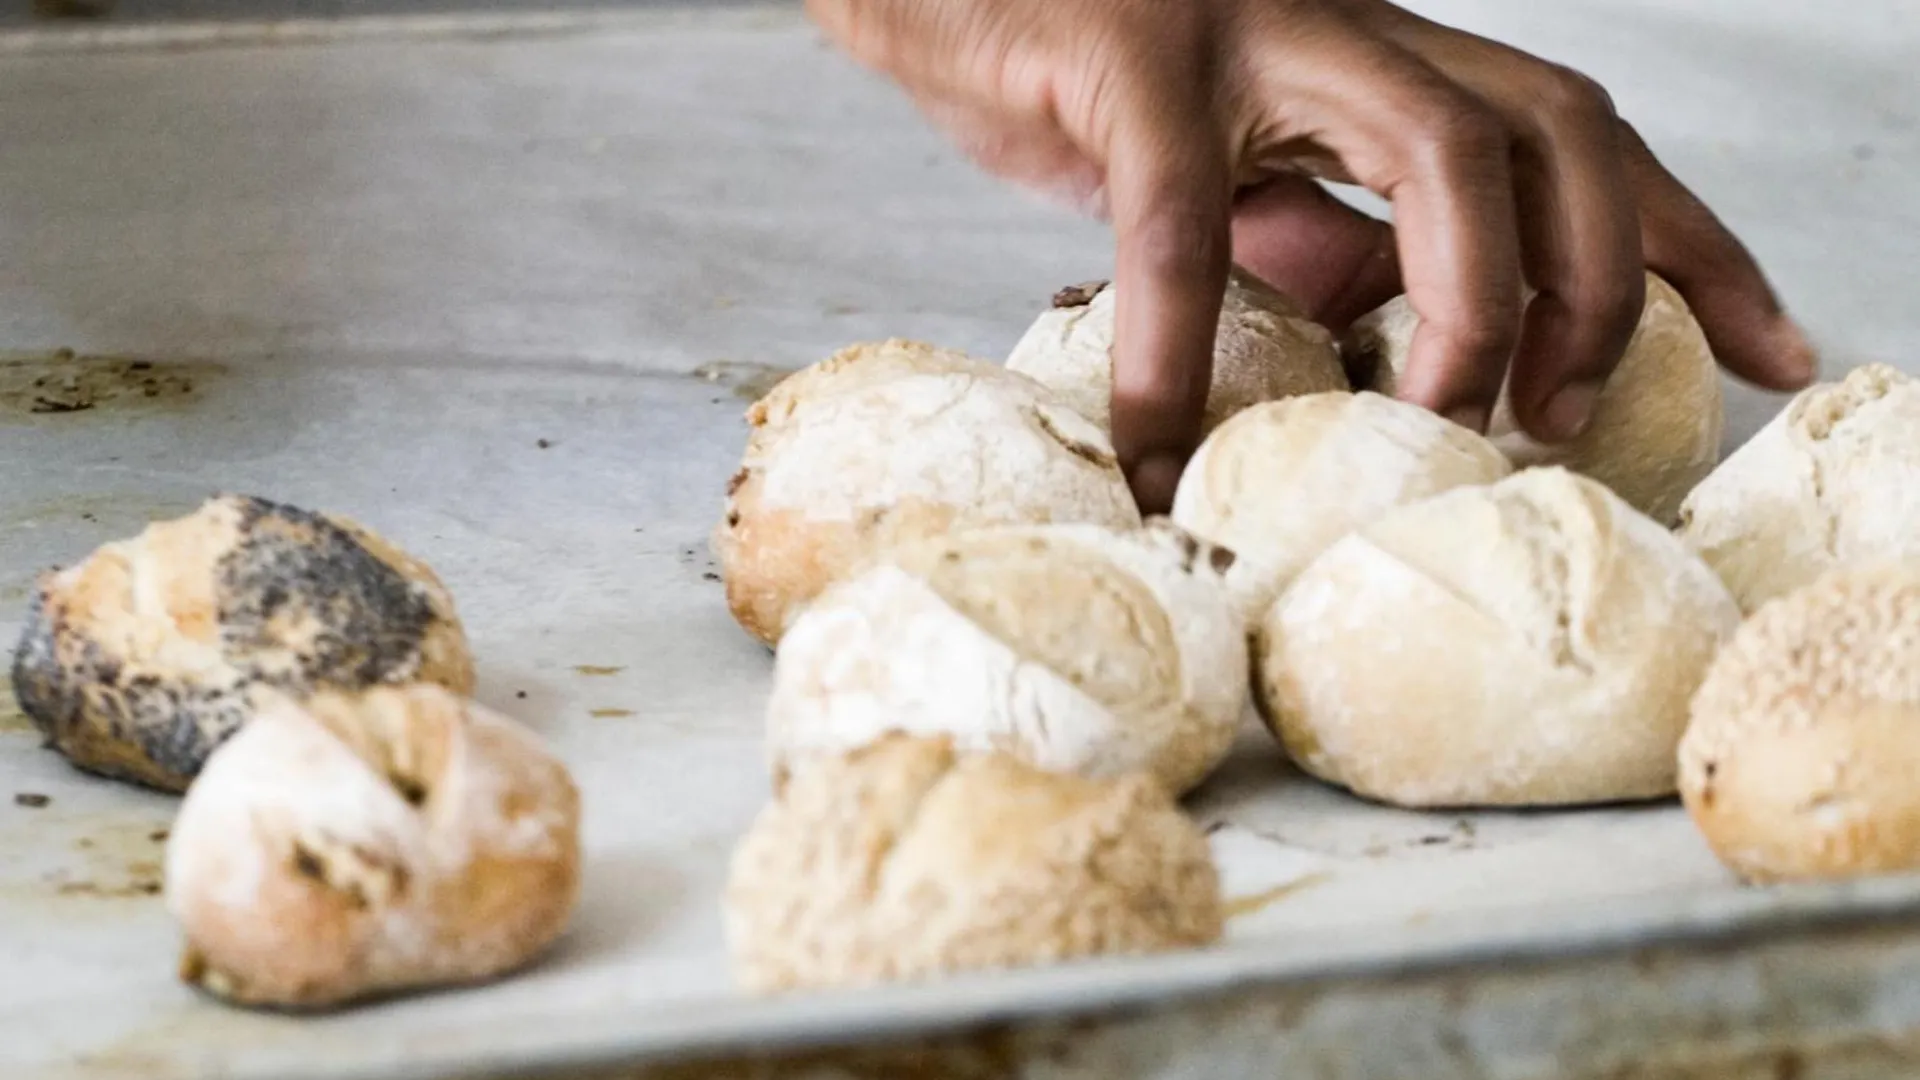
{"type": "Point", "coordinates": [396, 262]}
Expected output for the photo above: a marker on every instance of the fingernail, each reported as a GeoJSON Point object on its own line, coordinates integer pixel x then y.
{"type": "Point", "coordinates": [1471, 417]}
{"type": "Point", "coordinates": [1570, 411]}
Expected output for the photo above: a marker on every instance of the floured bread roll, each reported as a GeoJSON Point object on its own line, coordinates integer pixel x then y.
{"type": "Point", "coordinates": [1834, 479]}
{"type": "Point", "coordinates": [1534, 642]}
{"type": "Point", "coordinates": [1804, 750]}
{"type": "Point", "coordinates": [889, 442]}
{"type": "Point", "coordinates": [353, 846]}
{"type": "Point", "coordinates": [1280, 481]}
{"type": "Point", "coordinates": [138, 662]}
{"type": "Point", "coordinates": [1265, 349]}
{"type": "Point", "coordinates": [1656, 427]}
{"type": "Point", "coordinates": [1076, 648]}
{"type": "Point", "coordinates": [901, 860]}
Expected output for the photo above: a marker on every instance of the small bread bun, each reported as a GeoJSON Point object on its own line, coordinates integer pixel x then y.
{"type": "Point", "coordinates": [885, 443]}
{"type": "Point", "coordinates": [1074, 648]}
{"type": "Point", "coordinates": [1531, 643]}
{"type": "Point", "coordinates": [901, 860]}
{"type": "Point", "coordinates": [355, 846]}
{"type": "Point", "coordinates": [1656, 427]}
{"type": "Point", "coordinates": [1802, 758]}
{"type": "Point", "coordinates": [138, 662]}
{"type": "Point", "coordinates": [1833, 480]}
{"type": "Point", "coordinates": [1265, 349]}
{"type": "Point", "coordinates": [1280, 481]}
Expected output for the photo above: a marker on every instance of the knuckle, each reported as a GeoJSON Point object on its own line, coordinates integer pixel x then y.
{"type": "Point", "coordinates": [1462, 129]}
{"type": "Point", "coordinates": [1564, 92]}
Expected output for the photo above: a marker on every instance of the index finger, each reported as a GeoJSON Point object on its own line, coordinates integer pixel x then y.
{"type": "Point", "coordinates": [1170, 194]}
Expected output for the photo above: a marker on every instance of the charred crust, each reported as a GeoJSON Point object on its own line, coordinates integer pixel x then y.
{"type": "Point", "coordinates": [1080, 295]}
{"type": "Point", "coordinates": [1189, 548]}
{"type": "Point", "coordinates": [410, 789]}
{"type": "Point", "coordinates": [313, 866]}
{"type": "Point", "coordinates": [307, 864]}
{"type": "Point", "coordinates": [737, 481]}
{"type": "Point", "coordinates": [1221, 559]}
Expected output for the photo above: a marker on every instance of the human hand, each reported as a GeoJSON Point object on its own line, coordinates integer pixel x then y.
{"type": "Point", "coordinates": [1196, 127]}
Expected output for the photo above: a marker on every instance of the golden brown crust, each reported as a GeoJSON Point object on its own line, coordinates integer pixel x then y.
{"type": "Point", "coordinates": [1801, 756]}
{"type": "Point", "coordinates": [901, 860]}
{"type": "Point", "coordinates": [359, 846]}
{"type": "Point", "coordinates": [892, 442]}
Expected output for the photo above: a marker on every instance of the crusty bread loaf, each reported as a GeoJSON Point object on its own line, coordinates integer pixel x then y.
{"type": "Point", "coordinates": [1265, 349]}
{"type": "Point", "coordinates": [1075, 648]}
{"type": "Point", "coordinates": [901, 860]}
{"type": "Point", "coordinates": [1834, 479]}
{"type": "Point", "coordinates": [1804, 751]}
{"type": "Point", "coordinates": [1532, 642]}
{"type": "Point", "coordinates": [1279, 482]}
{"type": "Point", "coordinates": [139, 661]}
{"type": "Point", "coordinates": [1656, 427]}
{"type": "Point", "coordinates": [885, 443]}
{"type": "Point", "coordinates": [348, 847]}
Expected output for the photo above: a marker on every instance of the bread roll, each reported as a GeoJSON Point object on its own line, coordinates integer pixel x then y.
{"type": "Point", "coordinates": [1534, 642]}
{"type": "Point", "coordinates": [902, 861]}
{"type": "Point", "coordinates": [1833, 480]}
{"type": "Point", "coordinates": [1656, 427]}
{"type": "Point", "coordinates": [139, 661]}
{"type": "Point", "coordinates": [355, 846]}
{"type": "Point", "coordinates": [1265, 349]}
{"type": "Point", "coordinates": [1074, 648]}
{"type": "Point", "coordinates": [889, 442]}
{"type": "Point", "coordinates": [1802, 756]}
{"type": "Point", "coordinates": [1280, 481]}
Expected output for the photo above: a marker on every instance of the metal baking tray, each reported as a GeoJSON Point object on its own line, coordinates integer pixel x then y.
{"type": "Point", "coordinates": [501, 286]}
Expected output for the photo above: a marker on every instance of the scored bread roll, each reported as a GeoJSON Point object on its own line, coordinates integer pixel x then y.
{"type": "Point", "coordinates": [1801, 759]}
{"type": "Point", "coordinates": [1075, 648]}
{"type": "Point", "coordinates": [1834, 479]}
{"type": "Point", "coordinates": [901, 860]}
{"type": "Point", "coordinates": [1532, 642]}
{"type": "Point", "coordinates": [1280, 481]}
{"type": "Point", "coordinates": [1265, 349]}
{"type": "Point", "coordinates": [138, 662]}
{"type": "Point", "coordinates": [886, 443]}
{"type": "Point", "coordinates": [1655, 429]}
{"type": "Point", "coordinates": [353, 846]}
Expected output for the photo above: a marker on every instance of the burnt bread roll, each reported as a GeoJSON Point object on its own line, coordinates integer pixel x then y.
{"type": "Point", "coordinates": [141, 660]}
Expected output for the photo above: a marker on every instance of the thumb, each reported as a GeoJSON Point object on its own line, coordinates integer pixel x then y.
{"type": "Point", "coordinates": [1332, 259]}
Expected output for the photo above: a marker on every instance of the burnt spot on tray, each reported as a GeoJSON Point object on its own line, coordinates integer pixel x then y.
{"type": "Point", "coordinates": [64, 382]}
{"type": "Point", "coordinates": [32, 800]}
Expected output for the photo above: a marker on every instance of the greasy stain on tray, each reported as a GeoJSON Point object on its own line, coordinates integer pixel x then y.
{"type": "Point", "coordinates": [748, 381]}
{"type": "Point", "coordinates": [597, 669]}
{"type": "Point", "coordinates": [111, 859]}
{"type": "Point", "coordinates": [11, 718]}
{"type": "Point", "coordinates": [64, 382]}
{"type": "Point", "coordinates": [1246, 905]}
{"type": "Point", "coordinates": [610, 714]}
